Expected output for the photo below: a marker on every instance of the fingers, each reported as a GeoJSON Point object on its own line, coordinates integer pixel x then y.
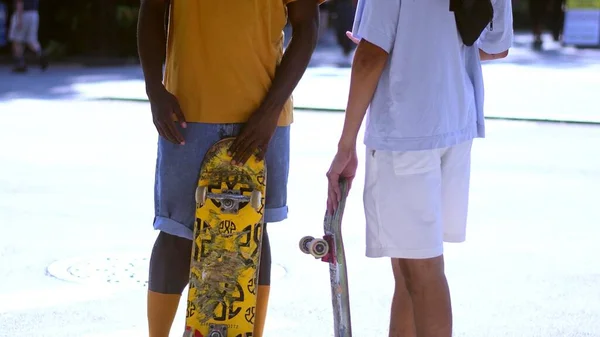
{"type": "Point", "coordinates": [172, 127]}
{"type": "Point", "coordinates": [162, 132]}
{"type": "Point", "coordinates": [352, 38]}
{"type": "Point", "coordinates": [261, 152]}
{"type": "Point", "coordinates": [178, 113]}
{"type": "Point", "coordinates": [169, 131]}
{"type": "Point", "coordinates": [242, 149]}
{"type": "Point", "coordinates": [333, 192]}
{"type": "Point", "coordinates": [336, 189]}
{"type": "Point", "coordinates": [163, 112]}
{"type": "Point", "coordinates": [332, 203]}
{"type": "Point", "coordinates": [349, 185]}
{"type": "Point", "coordinates": [235, 145]}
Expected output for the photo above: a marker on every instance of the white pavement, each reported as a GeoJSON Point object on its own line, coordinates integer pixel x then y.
{"type": "Point", "coordinates": [76, 194]}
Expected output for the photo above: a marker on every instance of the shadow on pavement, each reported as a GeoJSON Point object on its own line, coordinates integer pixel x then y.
{"type": "Point", "coordinates": [71, 81]}
{"type": "Point", "coordinates": [59, 82]}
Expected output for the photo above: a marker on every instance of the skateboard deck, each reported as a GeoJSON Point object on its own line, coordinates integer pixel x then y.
{"type": "Point", "coordinates": [330, 249]}
{"type": "Point", "coordinates": [226, 247]}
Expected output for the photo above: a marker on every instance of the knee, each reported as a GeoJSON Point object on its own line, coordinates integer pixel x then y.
{"type": "Point", "coordinates": [169, 264]}
{"type": "Point", "coordinates": [172, 245]}
{"type": "Point", "coordinates": [422, 273]}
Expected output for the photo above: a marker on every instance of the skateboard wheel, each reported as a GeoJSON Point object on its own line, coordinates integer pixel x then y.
{"type": "Point", "coordinates": [200, 195]}
{"type": "Point", "coordinates": [304, 242]}
{"type": "Point", "coordinates": [318, 248]}
{"type": "Point", "coordinates": [256, 200]}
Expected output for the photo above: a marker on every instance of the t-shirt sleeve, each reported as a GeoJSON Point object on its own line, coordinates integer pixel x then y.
{"type": "Point", "coordinates": [498, 37]}
{"type": "Point", "coordinates": [376, 21]}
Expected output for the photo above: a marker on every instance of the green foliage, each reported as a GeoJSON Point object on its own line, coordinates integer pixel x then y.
{"type": "Point", "coordinates": [82, 27]}
{"type": "Point", "coordinates": [78, 27]}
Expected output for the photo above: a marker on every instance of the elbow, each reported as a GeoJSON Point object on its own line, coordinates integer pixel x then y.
{"type": "Point", "coordinates": [369, 56]}
{"type": "Point", "coordinates": [502, 54]}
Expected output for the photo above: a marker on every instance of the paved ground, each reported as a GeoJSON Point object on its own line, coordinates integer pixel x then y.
{"type": "Point", "coordinates": [77, 180]}
{"type": "Point", "coordinates": [76, 213]}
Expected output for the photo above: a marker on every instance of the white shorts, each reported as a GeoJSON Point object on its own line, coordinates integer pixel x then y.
{"type": "Point", "coordinates": [28, 32]}
{"type": "Point", "coordinates": [416, 200]}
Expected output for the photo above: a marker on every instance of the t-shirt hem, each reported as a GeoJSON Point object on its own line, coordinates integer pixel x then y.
{"type": "Point", "coordinates": [425, 143]}
{"type": "Point", "coordinates": [282, 122]}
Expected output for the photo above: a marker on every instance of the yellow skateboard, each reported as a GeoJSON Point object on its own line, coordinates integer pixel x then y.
{"type": "Point", "coordinates": [227, 242]}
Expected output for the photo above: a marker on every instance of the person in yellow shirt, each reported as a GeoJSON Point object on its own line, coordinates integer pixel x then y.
{"type": "Point", "coordinates": [226, 74]}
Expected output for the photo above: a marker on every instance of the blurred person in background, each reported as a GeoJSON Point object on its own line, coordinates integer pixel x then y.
{"type": "Point", "coordinates": [24, 25]}
{"type": "Point", "coordinates": [546, 12]}
{"type": "Point", "coordinates": [342, 17]}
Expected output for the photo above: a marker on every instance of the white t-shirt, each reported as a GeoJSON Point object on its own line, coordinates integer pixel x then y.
{"type": "Point", "coordinates": [430, 94]}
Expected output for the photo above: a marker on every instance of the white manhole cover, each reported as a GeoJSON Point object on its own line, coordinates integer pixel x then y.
{"type": "Point", "coordinates": [126, 270]}
{"type": "Point", "coordinates": [118, 269]}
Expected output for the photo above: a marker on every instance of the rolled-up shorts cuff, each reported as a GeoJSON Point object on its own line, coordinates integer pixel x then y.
{"type": "Point", "coordinates": [276, 214]}
{"type": "Point", "coordinates": [175, 228]}
{"type": "Point", "coordinates": [178, 169]}
{"type": "Point", "coordinates": [172, 227]}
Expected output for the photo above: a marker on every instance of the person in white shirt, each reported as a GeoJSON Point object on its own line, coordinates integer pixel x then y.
{"type": "Point", "coordinates": [423, 89]}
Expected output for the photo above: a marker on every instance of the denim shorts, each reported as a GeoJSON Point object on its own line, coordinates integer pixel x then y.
{"type": "Point", "coordinates": [178, 170]}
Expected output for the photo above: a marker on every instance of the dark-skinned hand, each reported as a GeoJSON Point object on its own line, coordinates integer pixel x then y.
{"type": "Point", "coordinates": [254, 137]}
{"type": "Point", "coordinates": [165, 106]}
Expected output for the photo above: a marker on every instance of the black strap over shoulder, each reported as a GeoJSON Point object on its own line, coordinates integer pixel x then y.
{"type": "Point", "coordinates": [472, 16]}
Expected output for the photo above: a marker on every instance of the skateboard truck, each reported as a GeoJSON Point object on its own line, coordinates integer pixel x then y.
{"type": "Point", "coordinates": [230, 199]}
{"type": "Point", "coordinates": [217, 331]}
{"type": "Point", "coordinates": [214, 331]}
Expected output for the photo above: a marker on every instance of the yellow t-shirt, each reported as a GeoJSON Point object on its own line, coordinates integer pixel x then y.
{"type": "Point", "coordinates": [222, 55]}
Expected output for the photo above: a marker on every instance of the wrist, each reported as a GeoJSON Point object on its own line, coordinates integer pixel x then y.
{"type": "Point", "coordinates": [154, 88]}
{"type": "Point", "coordinates": [270, 112]}
{"type": "Point", "coordinates": [347, 144]}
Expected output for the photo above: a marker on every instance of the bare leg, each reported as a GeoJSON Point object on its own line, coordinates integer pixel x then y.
{"type": "Point", "coordinates": [558, 19]}
{"type": "Point", "coordinates": [537, 13]}
{"type": "Point", "coordinates": [17, 50]}
{"type": "Point", "coordinates": [264, 285]}
{"type": "Point", "coordinates": [19, 57]}
{"type": "Point", "coordinates": [428, 289]}
{"type": "Point", "coordinates": [169, 274]}
{"type": "Point", "coordinates": [37, 49]}
{"type": "Point", "coordinates": [402, 320]}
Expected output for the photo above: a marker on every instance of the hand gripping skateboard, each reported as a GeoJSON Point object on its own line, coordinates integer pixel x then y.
{"type": "Point", "coordinates": [331, 249]}
{"type": "Point", "coordinates": [226, 247]}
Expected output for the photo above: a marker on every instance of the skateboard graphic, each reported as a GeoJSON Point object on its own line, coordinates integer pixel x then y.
{"type": "Point", "coordinates": [330, 249]}
{"type": "Point", "coordinates": [226, 247]}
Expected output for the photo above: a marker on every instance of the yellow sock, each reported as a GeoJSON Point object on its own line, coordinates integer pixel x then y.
{"type": "Point", "coordinates": [161, 313]}
{"type": "Point", "coordinates": [262, 302]}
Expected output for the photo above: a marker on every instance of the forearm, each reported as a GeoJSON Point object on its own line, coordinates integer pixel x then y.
{"type": "Point", "coordinates": [152, 42]}
{"type": "Point", "coordinates": [369, 62]}
{"type": "Point", "coordinates": [293, 64]}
